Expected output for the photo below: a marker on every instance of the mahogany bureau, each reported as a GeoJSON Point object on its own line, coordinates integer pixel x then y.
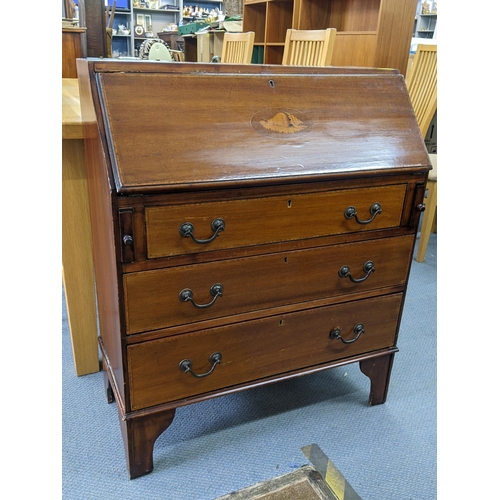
{"type": "Point", "coordinates": [249, 224]}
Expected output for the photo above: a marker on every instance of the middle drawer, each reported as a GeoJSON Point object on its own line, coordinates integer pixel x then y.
{"type": "Point", "coordinates": [189, 294]}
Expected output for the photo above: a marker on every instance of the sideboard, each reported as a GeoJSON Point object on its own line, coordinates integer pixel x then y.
{"type": "Point", "coordinates": [241, 240]}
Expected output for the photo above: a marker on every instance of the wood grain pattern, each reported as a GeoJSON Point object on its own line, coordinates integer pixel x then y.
{"type": "Point", "coordinates": [283, 197]}
{"type": "Point", "coordinates": [333, 141]}
{"type": "Point", "coordinates": [74, 45]}
{"type": "Point", "coordinates": [274, 219]}
{"type": "Point", "coordinates": [257, 349]}
{"type": "Point", "coordinates": [152, 297]}
{"type": "Point", "coordinates": [370, 33]}
{"type": "Point", "coordinates": [77, 260]}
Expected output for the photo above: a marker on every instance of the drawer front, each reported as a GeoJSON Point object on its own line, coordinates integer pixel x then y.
{"type": "Point", "coordinates": [258, 349]}
{"type": "Point", "coordinates": [269, 220]}
{"type": "Point", "coordinates": [153, 300]}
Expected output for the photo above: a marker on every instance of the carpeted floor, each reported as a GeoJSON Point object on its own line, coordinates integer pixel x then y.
{"type": "Point", "coordinates": [387, 452]}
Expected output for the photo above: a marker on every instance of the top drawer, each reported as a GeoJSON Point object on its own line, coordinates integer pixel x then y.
{"type": "Point", "coordinates": [270, 220]}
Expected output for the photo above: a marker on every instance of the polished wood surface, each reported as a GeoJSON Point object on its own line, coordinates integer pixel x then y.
{"type": "Point", "coordinates": [275, 279]}
{"type": "Point", "coordinates": [249, 350]}
{"type": "Point", "coordinates": [78, 267]}
{"type": "Point", "coordinates": [244, 124]}
{"type": "Point", "coordinates": [321, 197]}
{"type": "Point", "coordinates": [72, 127]}
{"type": "Point", "coordinates": [275, 219]}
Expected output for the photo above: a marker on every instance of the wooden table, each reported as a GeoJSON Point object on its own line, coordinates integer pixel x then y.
{"type": "Point", "coordinates": [78, 265]}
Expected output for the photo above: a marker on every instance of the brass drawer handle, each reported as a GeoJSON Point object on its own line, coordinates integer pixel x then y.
{"type": "Point", "coordinates": [187, 229]}
{"type": "Point", "coordinates": [186, 364]}
{"type": "Point", "coordinates": [351, 212]}
{"type": "Point", "coordinates": [186, 295]}
{"type": "Point", "coordinates": [368, 268]}
{"type": "Point", "coordinates": [358, 330]}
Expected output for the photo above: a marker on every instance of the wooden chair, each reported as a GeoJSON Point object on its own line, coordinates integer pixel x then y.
{"type": "Point", "coordinates": [309, 47]}
{"type": "Point", "coordinates": [422, 87]}
{"type": "Point", "coordinates": [237, 48]}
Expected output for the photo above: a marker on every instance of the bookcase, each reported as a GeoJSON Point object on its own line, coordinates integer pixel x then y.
{"type": "Point", "coordinates": [143, 19]}
{"type": "Point", "coordinates": [370, 33]}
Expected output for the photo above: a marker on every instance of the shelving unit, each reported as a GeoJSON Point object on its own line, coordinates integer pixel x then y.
{"type": "Point", "coordinates": [370, 33]}
{"type": "Point", "coordinates": [427, 25]}
{"type": "Point", "coordinates": [157, 19]}
{"type": "Point", "coordinates": [154, 20]}
{"type": "Point", "coordinates": [122, 43]}
{"type": "Point", "coordinates": [425, 19]}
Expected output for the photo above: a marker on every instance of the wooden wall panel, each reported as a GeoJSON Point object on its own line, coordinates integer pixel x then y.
{"type": "Point", "coordinates": [353, 15]}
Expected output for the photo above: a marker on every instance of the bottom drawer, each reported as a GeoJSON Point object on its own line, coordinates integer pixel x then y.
{"type": "Point", "coordinates": [257, 349]}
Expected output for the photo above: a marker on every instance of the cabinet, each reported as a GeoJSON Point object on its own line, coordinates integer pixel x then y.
{"type": "Point", "coordinates": [152, 16]}
{"type": "Point", "coordinates": [280, 249]}
{"type": "Point", "coordinates": [122, 38]}
{"type": "Point", "coordinates": [370, 33]}
{"type": "Point", "coordinates": [134, 13]}
{"type": "Point", "coordinates": [153, 21]}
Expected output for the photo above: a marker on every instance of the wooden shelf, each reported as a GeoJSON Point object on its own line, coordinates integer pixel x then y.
{"type": "Point", "coordinates": [371, 33]}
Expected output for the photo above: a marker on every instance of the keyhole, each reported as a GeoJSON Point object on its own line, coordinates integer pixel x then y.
{"type": "Point", "coordinates": [289, 204]}
{"type": "Point", "coordinates": [285, 260]}
{"type": "Point", "coordinates": [272, 84]}
{"type": "Point", "coordinates": [281, 322]}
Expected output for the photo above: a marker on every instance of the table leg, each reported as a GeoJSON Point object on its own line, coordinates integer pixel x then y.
{"type": "Point", "coordinates": [78, 264]}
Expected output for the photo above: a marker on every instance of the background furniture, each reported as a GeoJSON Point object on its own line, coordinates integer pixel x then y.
{"type": "Point", "coordinates": [203, 47]}
{"type": "Point", "coordinates": [78, 264]}
{"type": "Point", "coordinates": [370, 33]}
{"type": "Point", "coordinates": [426, 20]}
{"type": "Point", "coordinates": [237, 48]}
{"type": "Point", "coordinates": [210, 277]}
{"type": "Point", "coordinates": [422, 88]}
{"type": "Point", "coordinates": [153, 18]}
{"type": "Point", "coordinates": [309, 47]}
{"type": "Point", "coordinates": [422, 85]}
{"type": "Point", "coordinates": [430, 211]}
{"type": "Point", "coordinates": [74, 45]}
{"type": "Point", "coordinates": [93, 15]}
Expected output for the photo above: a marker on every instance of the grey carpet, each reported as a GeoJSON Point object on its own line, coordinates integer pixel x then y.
{"type": "Point", "coordinates": [386, 452]}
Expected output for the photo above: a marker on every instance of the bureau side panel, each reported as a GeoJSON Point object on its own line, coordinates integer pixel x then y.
{"type": "Point", "coordinates": [101, 198]}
